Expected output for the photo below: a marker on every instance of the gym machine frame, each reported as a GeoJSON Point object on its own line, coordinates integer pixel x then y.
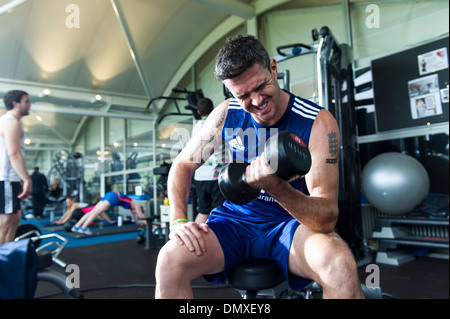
{"type": "Point", "coordinates": [192, 98]}
{"type": "Point", "coordinates": [69, 168]}
{"type": "Point", "coordinates": [336, 94]}
{"type": "Point", "coordinates": [46, 257]}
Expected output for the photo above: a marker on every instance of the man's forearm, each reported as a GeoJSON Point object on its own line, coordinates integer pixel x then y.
{"type": "Point", "coordinates": [178, 187]}
{"type": "Point", "coordinates": [18, 163]}
{"type": "Point", "coordinates": [319, 214]}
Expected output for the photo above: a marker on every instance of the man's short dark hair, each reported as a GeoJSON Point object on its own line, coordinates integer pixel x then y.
{"type": "Point", "coordinates": [13, 96]}
{"type": "Point", "coordinates": [238, 55]}
{"type": "Point", "coordinates": [205, 106]}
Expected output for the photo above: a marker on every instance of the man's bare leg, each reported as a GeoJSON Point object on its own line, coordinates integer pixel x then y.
{"type": "Point", "coordinates": [8, 226]}
{"type": "Point", "coordinates": [177, 266]}
{"type": "Point", "coordinates": [88, 218]}
{"type": "Point", "coordinates": [326, 259]}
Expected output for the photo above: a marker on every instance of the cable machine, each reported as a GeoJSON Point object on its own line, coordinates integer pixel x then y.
{"type": "Point", "coordinates": [336, 94]}
{"type": "Point", "coordinates": [69, 168]}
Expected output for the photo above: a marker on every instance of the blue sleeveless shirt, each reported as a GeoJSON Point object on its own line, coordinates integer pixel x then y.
{"type": "Point", "coordinates": [246, 139]}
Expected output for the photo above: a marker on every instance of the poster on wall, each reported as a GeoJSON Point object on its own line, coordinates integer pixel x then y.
{"type": "Point", "coordinates": [425, 97]}
{"type": "Point", "coordinates": [444, 95]}
{"type": "Point", "coordinates": [417, 96]}
{"type": "Point", "coordinates": [433, 61]}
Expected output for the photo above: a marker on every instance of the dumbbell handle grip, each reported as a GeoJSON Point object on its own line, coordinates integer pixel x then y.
{"type": "Point", "coordinates": [290, 156]}
{"type": "Point", "coordinates": [244, 178]}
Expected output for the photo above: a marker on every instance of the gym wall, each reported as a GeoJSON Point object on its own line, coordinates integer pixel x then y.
{"type": "Point", "coordinates": [403, 24]}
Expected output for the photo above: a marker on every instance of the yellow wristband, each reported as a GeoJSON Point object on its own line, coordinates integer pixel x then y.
{"type": "Point", "coordinates": [179, 220]}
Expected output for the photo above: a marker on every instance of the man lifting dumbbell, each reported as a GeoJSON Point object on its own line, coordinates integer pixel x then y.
{"type": "Point", "coordinates": [292, 221]}
{"type": "Point", "coordinates": [286, 153]}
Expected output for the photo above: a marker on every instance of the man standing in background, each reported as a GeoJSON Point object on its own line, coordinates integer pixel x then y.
{"type": "Point", "coordinates": [15, 183]}
{"type": "Point", "coordinates": [39, 194]}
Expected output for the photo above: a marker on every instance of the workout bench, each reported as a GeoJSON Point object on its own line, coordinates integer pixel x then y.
{"type": "Point", "coordinates": [46, 257]}
{"type": "Point", "coordinates": [263, 279]}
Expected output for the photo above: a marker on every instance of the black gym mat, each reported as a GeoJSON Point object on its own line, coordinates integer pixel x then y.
{"type": "Point", "coordinates": [53, 228]}
{"type": "Point", "coordinates": [104, 231]}
{"type": "Point", "coordinates": [50, 227]}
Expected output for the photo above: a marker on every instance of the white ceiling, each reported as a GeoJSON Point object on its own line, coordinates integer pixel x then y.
{"type": "Point", "coordinates": [37, 44]}
{"type": "Point", "coordinates": [127, 51]}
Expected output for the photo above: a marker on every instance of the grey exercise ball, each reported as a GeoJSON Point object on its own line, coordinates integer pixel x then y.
{"type": "Point", "coordinates": [395, 183]}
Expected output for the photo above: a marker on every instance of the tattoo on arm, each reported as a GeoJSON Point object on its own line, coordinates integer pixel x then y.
{"type": "Point", "coordinates": [332, 148]}
{"type": "Point", "coordinates": [207, 143]}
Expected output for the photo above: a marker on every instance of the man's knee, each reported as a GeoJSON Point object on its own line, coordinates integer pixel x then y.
{"type": "Point", "coordinates": [337, 261]}
{"type": "Point", "coordinates": [341, 274]}
{"type": "Point", "coordinates": [176, 263]}
{"type": "Point", "coordinates": [164, 256]}
{"type": "Point", "coordinates": [328, 255]}
{"type": "Point", "coordinates": [343, 263]}
{"type": "Point", "coordinates": [171, 262]}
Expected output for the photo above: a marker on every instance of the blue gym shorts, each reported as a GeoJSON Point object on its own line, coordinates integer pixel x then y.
{"type": "Point", "coordinates": [254, 238]}
{"type": "Point", "coordinates": [116, 199]}
{"type": "Point", "coordinates": [112, 198]}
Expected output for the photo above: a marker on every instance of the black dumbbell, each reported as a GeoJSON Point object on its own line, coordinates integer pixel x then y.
{"type": "Point", "coordinates": [287, 154]}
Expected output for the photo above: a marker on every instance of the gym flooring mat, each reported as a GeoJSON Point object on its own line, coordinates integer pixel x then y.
{"type": "Point", "coordinates": [126, 270]}
{"type": "Point", "coordinates": [72, 241]}
{"type": "Point", "coordinates": [51, 227]}
{"type": "Point", "coordinates": [114, 266]}
{"type": "Point", "coordinates": [104, 231]}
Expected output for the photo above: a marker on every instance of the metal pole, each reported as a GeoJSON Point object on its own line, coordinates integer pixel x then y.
{"type": "Point", "coordinates": [347, 21]}
{"type": "Point", "coordinates": [102, 155]}
{"type": "Point", "coordinates": [322, 91]}
{"type": "Point", "coordinates": [149, 240]}
{"type": "Point", "coordinates": [155, 190]}
{"type": "Point", "coordinates": [125, 156]}
{"type": "Point", "coordinates": [132, 48]}
{"type": "Point", "coordinates": [11, 6]}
